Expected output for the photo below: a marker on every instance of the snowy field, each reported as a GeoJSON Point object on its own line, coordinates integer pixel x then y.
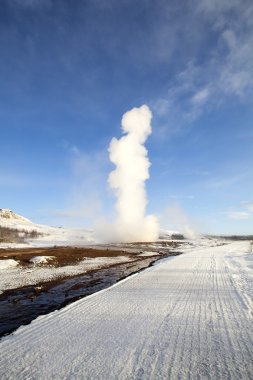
{"type": "Point", "coordinates": [13, 276]}
{"type": "Point", "coordinates": [42, 268]}
{"type": "Point", "coordinates": [188, 317]}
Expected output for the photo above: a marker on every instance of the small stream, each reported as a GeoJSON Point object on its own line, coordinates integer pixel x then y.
{"type": "Point", "coordinates": [20, 306]}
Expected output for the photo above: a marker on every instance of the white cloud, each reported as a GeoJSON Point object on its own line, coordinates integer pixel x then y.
{"type": "Point", "coordinates": [201, 96]}
{"type": "Point", "coordinates": [217, 183]}
{"type": "Point", "coordinates": [242, 211]}
{"type": "Point", "coordinates": [247, 206]}
{"type": "Point", "coordinates": [216, 7]}
{"type": "Point", "coordinates": [224, 71]}
{"type": "Point", "coordinates": [162, 106]}
{"type": "Point", "coordinates": [238, 215]}
{"type": "Point", "coordinates": [233, 55]}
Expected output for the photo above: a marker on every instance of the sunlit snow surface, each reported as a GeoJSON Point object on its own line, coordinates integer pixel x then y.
{"type": "Point", "coordinates": [37, 260]}
{"type": "Point", "coordinates": [7, 264]}
{"type": "Point", "coordinates": [188, 317]}
{"type": "Point", "coordinates": [147, 253]}
{"type": "Point", "coordinates": [12, 278]}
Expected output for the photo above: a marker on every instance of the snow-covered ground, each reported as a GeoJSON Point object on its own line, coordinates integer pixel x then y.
{"type": "Point", "coordinates": [188, 317]}
{"type": "Point", "coordinates": [15, 275]}
{"type": "Point", "coordinates": [7, 264]}
{"type": "Point", "coordinates": [148, 253]}
{"type": "Point", "coordinates": [37, 260]}
{"type": "Point", "coordinates": [47, 236]}
{"type": "Point", "coordinates": [12, 276]}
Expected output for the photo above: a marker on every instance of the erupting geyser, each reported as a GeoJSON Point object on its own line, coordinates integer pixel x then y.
{"type": "Point", "coordinates": [128, 179]}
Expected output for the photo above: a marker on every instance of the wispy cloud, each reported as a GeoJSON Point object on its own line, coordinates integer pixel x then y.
{"type": "Point", "coordinates": [224, 70]}
{"type": "Point", "coordinates": [247, 206]}
{"type": "Point", "coordinates": [238, 215]}
{"type": "Point", "coordinates": [85, 164]}
{"type": "Point", "coordinates": [242, 211]}
{"type": "Point", "coordinates": [181, 197]}
{"type": "Point", "coordinates": [201, 96]}
{"type": "Point", "coordinates": [88, 176]}
{"type": "Point", "coordinates": [224, 182]}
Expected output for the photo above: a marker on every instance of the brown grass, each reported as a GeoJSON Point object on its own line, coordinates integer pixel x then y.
{"type": "Point", "coordinates": [63, 255]}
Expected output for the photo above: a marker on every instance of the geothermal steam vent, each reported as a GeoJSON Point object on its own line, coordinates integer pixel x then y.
{"type": "Point", "coordinates": [128, 179]}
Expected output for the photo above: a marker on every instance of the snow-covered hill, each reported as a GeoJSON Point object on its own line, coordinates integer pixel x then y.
{"type": "Point", "coordinates": [25, 233]}
{"type": "Point", "coordinates": [30, 234]}
{"type": "Point", "coordinates": [10, 219]}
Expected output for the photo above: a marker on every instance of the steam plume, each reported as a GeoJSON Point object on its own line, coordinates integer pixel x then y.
{"type": "Point", "coordinates": [128, 179]}
{"type": "Point", "coordinates": [180, 220]}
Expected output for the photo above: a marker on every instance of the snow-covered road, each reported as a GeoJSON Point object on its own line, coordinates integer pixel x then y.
{"type": "Point", "coordinates": [189, 317]}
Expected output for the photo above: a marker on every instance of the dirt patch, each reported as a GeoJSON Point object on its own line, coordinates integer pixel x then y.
{"type": "Point", "coordinates": [62, 255]}
{"type": "Point", "coordinates": [73, 255]}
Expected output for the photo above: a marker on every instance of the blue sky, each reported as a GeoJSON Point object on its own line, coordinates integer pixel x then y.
{"type": "Point", "coordinates": [70, 69]}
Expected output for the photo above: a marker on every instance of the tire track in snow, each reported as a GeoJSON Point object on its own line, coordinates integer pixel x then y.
{"type": "Point", "coordinates": [228, 307]}
{"type": "Point", "coordinates": [236, 322]}
{"type": "Point", "coordinates": [182, 319]}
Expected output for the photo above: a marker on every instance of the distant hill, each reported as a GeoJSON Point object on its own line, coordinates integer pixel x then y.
{"type": "Point", "coordinates": [10, 218]}
{"type": "Point", "coordinates": [16, 230]}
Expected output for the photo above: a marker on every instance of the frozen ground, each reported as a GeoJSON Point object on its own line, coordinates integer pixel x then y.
{"type": "Point", "coordinates": [37, 260]}
{"type": "Point", "coordinates": [13, 276]}
{"type": "Point", "coordinates": [7, 264]}
{"type": "Point", "coordinates": [189, 317]}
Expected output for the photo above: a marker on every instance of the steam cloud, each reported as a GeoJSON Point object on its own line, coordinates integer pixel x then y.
{"type": "Point", "coordinates": [128, 179]}
{"type": "Point", "coordinates": [180, 221]}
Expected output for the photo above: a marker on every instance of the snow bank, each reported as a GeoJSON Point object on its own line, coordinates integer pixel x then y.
{"type": "Point", "coordinates": [9, 263]}
{"type": "Point", "coordinates": [149, 253]}
{"type": "Point", "coordinates": [12, 278]}
{"type": "Point", "coordinates": [99, 262]}
{"type": "Point", "coordinates": [41, 259]}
